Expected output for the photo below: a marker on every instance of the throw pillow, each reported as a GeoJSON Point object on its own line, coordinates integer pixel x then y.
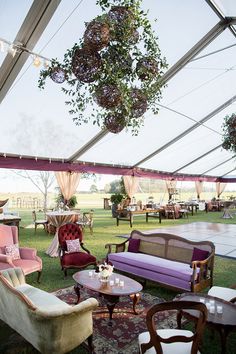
{"type": "Point", "coordinates": [73, 245]}
{"type": "Point", "coordinates": [134, 245]}
{"type": "Point", "coordinates": [199, 255]}
{"type": "Point", "coordinates": [13, 251]}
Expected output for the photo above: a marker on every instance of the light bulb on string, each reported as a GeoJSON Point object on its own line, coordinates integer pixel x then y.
{"type": "Point", "coordinates": [36, 61]}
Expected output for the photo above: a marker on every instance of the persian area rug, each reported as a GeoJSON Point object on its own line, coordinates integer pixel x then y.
{"type": "Point", "coordinates": [120, 338]}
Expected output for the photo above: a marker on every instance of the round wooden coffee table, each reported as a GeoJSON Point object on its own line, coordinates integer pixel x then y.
{"type": "Point", "coordinates": [224, 323]}
{"type": "Point", "coordinates": [110, 293]}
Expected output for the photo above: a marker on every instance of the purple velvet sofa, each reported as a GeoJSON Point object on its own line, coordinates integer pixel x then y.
{"type": "Point", "coordinates": [167, 259]}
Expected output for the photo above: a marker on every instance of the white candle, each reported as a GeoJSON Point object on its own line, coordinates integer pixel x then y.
{"type": "Point", "coordinates": [111, 282]}
{"type": "Point", "coordinates": [212, 309]}
{"type": "Point", "coordinates": [122, 283]}
{"type": "Point", "coordinates": [117, 280]}
{"type": "Point", "coordinates": [219, 309]}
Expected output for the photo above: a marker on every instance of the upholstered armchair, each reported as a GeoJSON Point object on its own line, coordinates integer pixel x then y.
{"type": "Point", "coordinates": [45, 321]}
{"type": "Point", "coordinates": [72, 252]}
{"type": "Point", "coordinates": [11, 255]}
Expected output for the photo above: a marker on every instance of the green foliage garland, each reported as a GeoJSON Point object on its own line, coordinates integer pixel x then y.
{"type": "Point", "coordinates": [229, 133]}
{"type": "Point", "coordinates": [127, 59]}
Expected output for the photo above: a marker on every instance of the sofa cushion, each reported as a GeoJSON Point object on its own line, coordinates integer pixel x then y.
{"type": "Point", "coordinates": [77, 259]}
{"type": "Point", "coordinates": [153, 263]}
{"type": "Point", "coordinates": [199, 255]}
{"type": "Point", "coordinates": [134, 245]}
{"type": "Point", "coordinates": [41, 299]}
{"type": "Point", "coordinates": [27, 265]}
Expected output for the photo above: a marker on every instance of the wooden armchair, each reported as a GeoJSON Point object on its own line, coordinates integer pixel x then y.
{"type": "Point", "coordinates": [176, 341]}
{"type": "Point", "coordinates": [87, 220]}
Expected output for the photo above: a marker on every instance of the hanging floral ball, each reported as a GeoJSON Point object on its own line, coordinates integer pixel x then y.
{"type": "Point", "coordinates": [122, 20]}
{"type": "Point", "coordinates": [229, 127]}
{"type": "Point", "coordinates": [108, 96]}
{"type": "Point", "coordinates": [115, 122]}
{"type": "Point", "coordinates": [139, 103]}
{"type": "Point", "coordinates": [97, 35]}
{"type": "Point", "coordinates": [58, 75]}
{"type": "Point", "coordinates": [147, 68]}
{"type": "Point", "coordinates": [120, 14]}
{"type": "Point", "coordinates": [86, 64]}
{"type": "Point", "coordinates": [226, 145]}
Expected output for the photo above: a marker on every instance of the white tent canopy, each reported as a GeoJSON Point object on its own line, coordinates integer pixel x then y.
{"type": "Point", "coordinates": [198, 39]}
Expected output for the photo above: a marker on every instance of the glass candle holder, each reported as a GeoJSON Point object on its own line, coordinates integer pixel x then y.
{"type": "Point", "coordinates": [122, 283]}
{"type": "Point", "coordinates": [219, 309]}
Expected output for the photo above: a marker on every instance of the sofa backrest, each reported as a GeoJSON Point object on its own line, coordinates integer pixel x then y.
{"type": "Point", "coordinates": [170, 246]}
{"type": "Point", "coordinates": [8, 293]}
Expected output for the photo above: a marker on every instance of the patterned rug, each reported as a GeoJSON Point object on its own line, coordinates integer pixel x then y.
{"type": "Point", "coordinates": [121, 337]}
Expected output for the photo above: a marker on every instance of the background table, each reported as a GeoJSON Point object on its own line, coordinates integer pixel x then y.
{"type": "Point", "coordinates": [58, 219]}
{"type": "Point", "coordinates": [9, 219]}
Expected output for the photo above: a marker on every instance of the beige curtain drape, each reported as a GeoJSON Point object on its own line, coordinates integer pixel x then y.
{"type": "Point", "coordinates": [199, 188]}
{"type": "Point", "coordinates": [131, 185]}
{"type": "Point", "coordinates": [171, 187]}
{"type": "Point", "coordinates": [220, 187]}
{"type": "Point", "coordinates": [68, 182]}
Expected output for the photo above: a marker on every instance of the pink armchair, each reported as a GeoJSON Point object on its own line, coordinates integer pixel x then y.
{"type": "Point", "coordinates": [28, 259]}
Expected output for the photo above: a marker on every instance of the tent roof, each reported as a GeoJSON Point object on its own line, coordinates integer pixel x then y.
{"type": "Point", "coordinates": [198, 39]}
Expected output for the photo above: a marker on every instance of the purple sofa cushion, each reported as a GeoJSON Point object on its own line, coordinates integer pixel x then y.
{"type": "Point", "coordinates": [134, 245]}
{"type": "Point", "coordinates": [199, 255]}
{"type": "Point", "coordinates": [152, 263]}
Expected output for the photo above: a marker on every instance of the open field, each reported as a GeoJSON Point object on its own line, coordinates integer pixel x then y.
{"type": "Point", "coordinates": [95, 200]}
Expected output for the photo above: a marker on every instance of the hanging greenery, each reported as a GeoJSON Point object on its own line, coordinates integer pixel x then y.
{"type": "Point", "coordinates": [116, 69]}
{"type": "Point", "coordinates": [229, 133]}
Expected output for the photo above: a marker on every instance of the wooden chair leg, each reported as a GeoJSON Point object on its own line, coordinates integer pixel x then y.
{"type": "Point", "coordinates": [90, 344]}
{"type": "Point", "coordinates": [39, 276]}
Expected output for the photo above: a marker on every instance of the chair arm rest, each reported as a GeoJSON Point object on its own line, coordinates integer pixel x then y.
{"type": "Point", "coordinates": [85, 306]}
{"type": "Point", "coordinates": [28, 253]}
{"type": "Point", "coordinates": [119, 247]}
{"type": "Point", "coordinates": [84, 248]}
{"type": "Point", "coordinates": [6, 259]}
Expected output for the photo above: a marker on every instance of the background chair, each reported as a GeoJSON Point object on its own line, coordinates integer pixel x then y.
{"type": "Point", "coordinates": [28, 259]}
{"type": "Point", "coordinates": [87, 220]}
{"type": "Point", "coordinates": [176, 341]}
{"type": "Point", "coordinates": [76, 258]}
{"type": "Point", "coordinates": [227, 294]}
{"type": "Point", "coordinates": [39, 222]}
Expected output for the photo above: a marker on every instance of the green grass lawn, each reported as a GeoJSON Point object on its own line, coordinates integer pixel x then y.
{"type": "Point", "coordinates": [105, 231]}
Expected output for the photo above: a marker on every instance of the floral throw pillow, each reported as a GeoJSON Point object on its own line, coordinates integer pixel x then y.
{"type": "Point", "coordinates": [73, 245]}
{"type": "Point", "coordinates": [13, 251]}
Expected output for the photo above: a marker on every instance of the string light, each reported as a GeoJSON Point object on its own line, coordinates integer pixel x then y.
{"type": "Point", "coordinates": [13, 48]}
{"type": "Point", "coordinates": [36, 61]}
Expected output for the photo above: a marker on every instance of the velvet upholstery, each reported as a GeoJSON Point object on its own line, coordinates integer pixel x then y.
{"type": "Point", "coordinates": [134, 245]}
{"type": "Point", "coordinates": [80, 259]}
{"type": "Point", "coordinates": [28, 261]}
{"type": "Point", "coordinates": [49, 324]}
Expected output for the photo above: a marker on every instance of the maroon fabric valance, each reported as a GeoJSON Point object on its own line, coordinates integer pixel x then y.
{"type": "Point", "coordinates": [40, 164]}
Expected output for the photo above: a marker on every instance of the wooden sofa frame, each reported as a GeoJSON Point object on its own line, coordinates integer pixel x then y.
{"type": "Point", "coordinates": [148, 245]}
